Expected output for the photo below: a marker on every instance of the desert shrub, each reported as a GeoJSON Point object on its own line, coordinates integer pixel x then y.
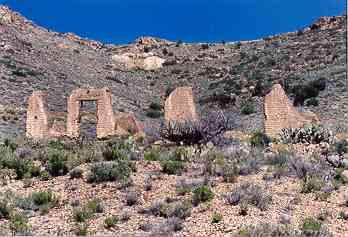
{"type": "Point", "coordinates": [81, 229]}
{"type": "Point", "coordinates": [267, 230]}
{"type": "Point", "coordinates": [236, 162]}
{"type": "Point", "coordinates": [43, 198]}
{"type": "Point", "coordinates": [312, 102]}
{"type": "Point", "coordinates": [110, 222]}
{"type": "Point", "coordinates": [152, 155]}
{"type": "Point", "coordinates": [148, 183]}
{"type": "Point", "coordinates": [19, 224]}
{"type": "Point", "coordinates": [82, 214]}
{"type": "Point", "coordinates": [184, 186]}
{"type": "Point", "coordinates": [308, 90]}
{"type": "Point", "coordinates": [10, 144]}
{"type": "Point", "coordinates": [311, 184]}
{"type": "Point", "coordinates": [110, 171]}
{"type": "Point", "coordinates": [311, 227]}
{"type": "Point", "coordinates": [259, 139]}
{"type": "Point", "coordinates": [118, 149]}
{"type": "Point", "coordinates": [172, 224]}
{"type": "Point", "coordinates": [179, 209]}
{"type": "Point", "coordinates": [248, 108]}
{"type": "Point", "coordinates": [172, 166]}
{"type": "Point", "coordinates": [132, 198]}
{"type": "Point", "coordinates": [76, 173]}
{"type": "Point", "coordinates": [252, 194]}
{"type": "Point", "coordinates": [216, 218]}
{"type": "Point", "coordinates": [22, 166]}
{"type": "Point", "coordinates": [5, 209]}
{"type": "Point", "coordinates": [154, 110]}
{"type": "Point", "coordinates": [153, 113]}
{"type": "Point", "coordinates": [202, 194]}
{"type": "Point", "coordinates": [310, 133]}
{"type": "Point", "coordinates": [172, 162]}
{"type": "Point", "coordinates": [341, 147]}
{"type": "Point", "coordinates": [95, 206]}
{"type": "Point", "coordinates": [57, 162]}
{"type": "Point", "coordinates": [196, 132]}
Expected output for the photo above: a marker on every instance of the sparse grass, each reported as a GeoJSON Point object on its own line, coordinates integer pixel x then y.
{"type": "Point", "coordinates": [202, 194]}
{"type": "Point", "coordinates": [251, 194]}
{"type": "Point", "coordinates": [216, 218]}
{"type": "Point", "coordinates": [110, 222]}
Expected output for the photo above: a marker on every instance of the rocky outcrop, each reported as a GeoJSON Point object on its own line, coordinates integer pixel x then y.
{"type": "Point", "coordinates": [142, 61]}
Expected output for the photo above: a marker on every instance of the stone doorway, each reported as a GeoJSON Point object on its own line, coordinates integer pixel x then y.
{"type": "Point", "coordinates": [104, 113]}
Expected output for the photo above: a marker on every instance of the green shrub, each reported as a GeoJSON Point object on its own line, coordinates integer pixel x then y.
{"type": "Point", "coordinates": [248, 108]}
{"type": "Point", "coordinates": [310, 133]}
{"type": "Point", "coordinates": [312, 102]}
{"type": "Point", "coordinates": [217, 217]}
{"type": "Point", "coordinates": [19, 224]}
{"type": "Point", "coordinates": [110, 171]}
{"type": "Point", "coordinates": [95, 206]}
{"type": "Point", "coordinates": [311, 226]}
{"type": "Point", "coordinates": [152, 155]}
{"type": "Point", "coordinates": [202, 194]}
{"type": "Point", "coordinates": [341, 147]}
{"type": "Point", "coordinates": [251, 194]}
{"type": "Point", "coordinates": [81, 229]}
{"type": "Point", "coordinates": [21, 165]}
{"type": "Point", "coordinates": [268, 230]}
{"type": "Point", "coordinates": [82, 214]}
{"type": "Point", "coordinates": [180, 209]}
{"type": "Point", "coordinates": [308, 90]}
{"type": "Point", "coordinates": [155, 106]}
{"type": "Point", "coordinates": [312, 184]}
{"type": "Point", "coordinates": [43, 198]}
{"type": "Point", "coordinates": [110, 222]}
{"type": "Point", "coordinates": [76, 173]}
{"type": "Point", "coordinates": [57, 162]}
{"type": "Point", "coordinates": [259, 139]}
{"type": "Point", "coordinates": [172, 166]}
{"type": "Point", "coordinates": [5, 209]}
{"type": "Point", "coordinates": [153, 113]}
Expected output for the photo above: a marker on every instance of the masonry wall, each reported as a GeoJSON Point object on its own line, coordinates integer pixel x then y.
{"type": "Point", "coordinates": [279, 112]}
{"type": "Point", "coordinates": [37, 116]}
{"type": "Point", "coordinates": [180, 106]}
{"type": "Point", "coordinates": [105, 116]}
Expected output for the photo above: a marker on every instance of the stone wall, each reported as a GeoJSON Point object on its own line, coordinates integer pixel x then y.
{"type": "Point", "coordinates": [105, 115]}
{"type": "Point", "coordinates": [279, 113]}
{"type": "Point", "coordinates": [37, 116]}
{"type": "Point", "coordinates": [39, 127]}
{"type": "Point", "coordinates": [180, 106]}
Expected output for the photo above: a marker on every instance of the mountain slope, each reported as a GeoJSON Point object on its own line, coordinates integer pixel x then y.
{"type": "Point", "coordinates": [33, 58]}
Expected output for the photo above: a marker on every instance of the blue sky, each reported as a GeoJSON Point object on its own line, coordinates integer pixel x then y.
{"type": "Point", "coordinates": [121, 21]}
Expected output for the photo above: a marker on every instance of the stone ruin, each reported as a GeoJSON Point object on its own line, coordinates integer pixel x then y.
{"type": "Point", "coordinates": [180, 106]}
{"type": "Point", "coordinates": [279, 113]}
{"type": "Point", "coordinates": [42, 125]}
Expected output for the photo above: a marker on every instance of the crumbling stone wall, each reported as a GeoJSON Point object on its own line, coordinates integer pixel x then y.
{"type": "Point", "coordinates": [180, 106]}
{"type": "Point", "coordinates": [105, 116]}
{"type": "Point", "coordinates": [37, 116]}
{"type": "Point", "coordinates": [279, 113]}
{"type": "Point", "coordinates": [126, 123]}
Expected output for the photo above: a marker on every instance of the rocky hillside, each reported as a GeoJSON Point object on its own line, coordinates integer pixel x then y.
{"type": "Point", "coordinates": [228, 76]}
